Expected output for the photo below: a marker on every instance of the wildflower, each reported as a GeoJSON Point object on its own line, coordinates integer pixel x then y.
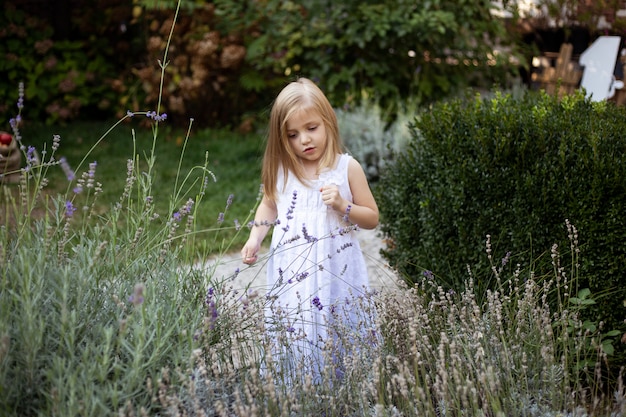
{"type": "Point", "coordinates": [89, 176]}
{"type": "Point", "coordinates": [156, 117]}
{"type": "Point", "coordinates": [213, 314]}
{"type": "Point", "coordinates": [506, 258]}
{"type": "Point", "coordinates": [209, 295]}
{"type": "Point", "coordinates": [344, 247]}
{"type": "Point", "coordinates": [56, 141]}
{"type": "Point", "coordinates": [136, 298]}
{"type": "Point", "coordinates": [92, 169]}
{"type": "Point", "coordinates": [293, 205]}
{"type": "Point", "coordinates": [186, 208]}
{"type": "Point", "coordinates": [69, 209]}
{"type": "Point", "coordinates": [130, 178]}
{"type": "Point", "coordinates": [305, 233]}
{"type": "Point", "coordinates": [237, 224]}
{"type": "Point", "coordinates": [316, 302]}
{"type": "Point", "coordinates": [65, 166]}
{"type": "Point", "coordinates": [346, 216]}
{"type": "Point", "coordinates": [20, 100]}
{"type": "Point", "coordinates": [130, 113]}
{"type": "Point", "coordinates": [31, 156]}
{"type": "Point", "coordinates": [176, 216]}
{"type": "Point", "coordinates": [229, 201]}
{"type": "Point", "coordinates": [205, 184]}
{"type": "Point", "coordinates": [220, 218]}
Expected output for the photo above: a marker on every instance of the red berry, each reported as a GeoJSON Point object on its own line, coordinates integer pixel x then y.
{"type": "Point", "coordinates": [5, 138]}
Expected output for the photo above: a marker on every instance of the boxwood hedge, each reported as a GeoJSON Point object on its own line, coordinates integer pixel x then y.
{"type": "Point", "coordinates": [514, 168]}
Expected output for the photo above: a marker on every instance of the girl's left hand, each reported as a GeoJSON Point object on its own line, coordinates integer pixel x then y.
{"type": "Point", "coordinates": [331, 196]}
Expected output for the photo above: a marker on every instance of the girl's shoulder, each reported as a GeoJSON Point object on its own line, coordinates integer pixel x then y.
{"type": "Point", "coordinates": [344, 160]}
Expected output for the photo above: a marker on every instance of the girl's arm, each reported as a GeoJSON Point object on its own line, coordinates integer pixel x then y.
{"type": "Point", "coordinates": [363, 210]}
{"type": "Point", "coordinates": [266, 214]}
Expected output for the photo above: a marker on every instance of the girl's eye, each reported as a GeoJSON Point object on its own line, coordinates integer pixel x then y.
{"type": "Point", "coordinates": [312, 128]}
{"type": "Point", "coordinates": [291, 135]}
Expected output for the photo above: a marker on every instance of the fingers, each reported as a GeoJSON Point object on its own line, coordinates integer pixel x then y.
{"type": "Point", "coordinates": [249, 256]}
{"type": "Point", "coordinates": [330, 195]}
{"type": "Point", "coordinates": [249, 260]}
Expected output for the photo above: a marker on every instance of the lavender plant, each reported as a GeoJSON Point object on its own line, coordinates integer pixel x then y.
{"type": "Point", "coordinates": [369, 135]}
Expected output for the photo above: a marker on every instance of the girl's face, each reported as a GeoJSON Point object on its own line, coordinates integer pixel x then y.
{"type": "Point", "coordinates": [307, 136]}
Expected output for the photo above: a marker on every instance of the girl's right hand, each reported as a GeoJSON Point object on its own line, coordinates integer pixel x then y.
{"type": "Point", "coordinates": [249, 252]}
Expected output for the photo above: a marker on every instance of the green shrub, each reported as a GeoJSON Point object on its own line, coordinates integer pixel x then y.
{"type": "Point", "coordinates": [514, 169]}
{"type": "Point", "coordinates": [202, 69]}
{"type": "Point", "coordinates": [389, 50]}
{"type": "Point", "coordinates": [62, 78]}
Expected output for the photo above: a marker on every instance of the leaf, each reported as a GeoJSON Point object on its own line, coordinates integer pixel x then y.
{"type": "Point", "coordinates": [589, 326]}
{"type": "Point", "coordinates": [607, 347]}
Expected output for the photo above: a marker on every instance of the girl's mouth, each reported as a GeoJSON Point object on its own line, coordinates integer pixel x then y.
{"type": "Point", "coordinates": [309, 150]}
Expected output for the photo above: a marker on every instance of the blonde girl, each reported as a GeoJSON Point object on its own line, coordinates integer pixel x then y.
{"type": "Point", "coordinates": [315, 199]}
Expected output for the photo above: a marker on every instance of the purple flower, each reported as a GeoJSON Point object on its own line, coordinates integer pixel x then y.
{"type": "Point", "coordinates": [31, 156]}
{"type": "Point", "coordinates": [156, 117]}
{"type": "Point", "coordinates": [65, 166]}
{"type": "Point", "coordinates": [186, 208]}
{"type": "Point", "coordinates": [69, 209]}
{"type": "Point", "coordinates": [506, 258]}
{"type": "Point", "coordinates": [346, 216]}
{"type": "Point", "coordinates": [136, 298]}
{"type": "Point", "coordinates": [316, 302]}
{"type": "Point", "coordinates": [20, 99]}
{"type": "Point", "coordinates": [209, 296]}
{"type": "Point", "coordinates": [213, 314]}
{"type": "Point", "coordinates": [92, 169]}
{"type": "Point", "coordinates": [307, 237]}
{"type": "Point", "coordinates": [293, 205]}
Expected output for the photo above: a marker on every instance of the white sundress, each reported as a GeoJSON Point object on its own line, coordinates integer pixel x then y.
{"type": "Point", "coordinates": [315, 268]}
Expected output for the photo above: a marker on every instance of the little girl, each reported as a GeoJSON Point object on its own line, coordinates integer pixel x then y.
{"type": "Point", "coordinates": [315, 198]}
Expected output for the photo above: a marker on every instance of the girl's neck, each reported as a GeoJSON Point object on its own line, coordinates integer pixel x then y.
{"type": "Point", "coordinates": [312, 169]}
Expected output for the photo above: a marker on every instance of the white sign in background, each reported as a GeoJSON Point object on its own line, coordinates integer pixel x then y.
{"type": "Point", "coordinates": [598, 62]}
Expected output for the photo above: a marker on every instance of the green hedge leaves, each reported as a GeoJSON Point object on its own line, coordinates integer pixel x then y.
{"type": "Point", "coordinates": [513, 168]}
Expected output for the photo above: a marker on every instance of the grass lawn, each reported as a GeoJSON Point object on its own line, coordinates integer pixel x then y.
{"type": "Point", "coordinates": [234, 159]}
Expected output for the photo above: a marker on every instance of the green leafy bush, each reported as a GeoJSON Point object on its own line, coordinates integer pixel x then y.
{"type": "Point", "coordinates": [62, 78]}
{"type": "Point", "coordinates": [390, 50]}
{"type": "Point", "coordinates": [201, 70]}
{"type": "Point", "coordinates": [514, 169]}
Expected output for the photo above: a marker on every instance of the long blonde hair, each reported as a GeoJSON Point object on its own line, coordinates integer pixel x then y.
{"type": "Point", "coordinates": [301, 94]}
